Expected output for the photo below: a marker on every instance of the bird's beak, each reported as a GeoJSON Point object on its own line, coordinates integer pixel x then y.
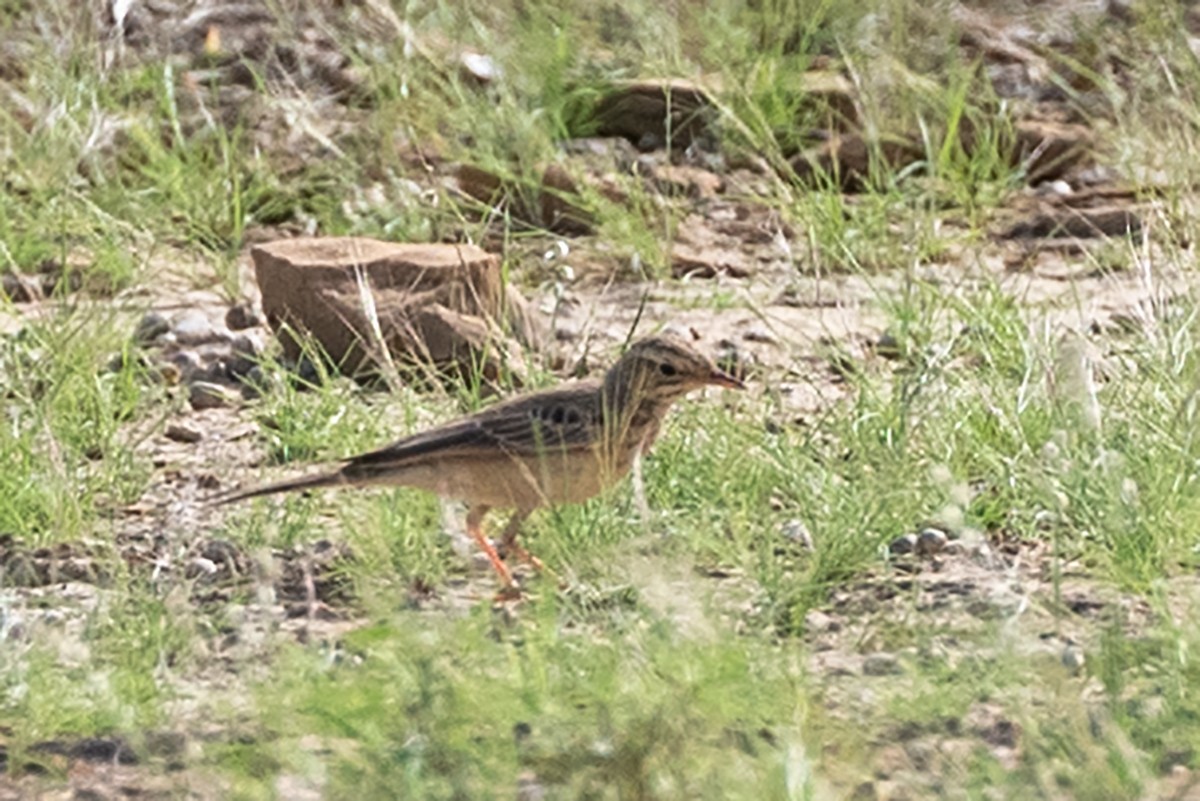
{"type": "Point", "coordinates": [723, 379]}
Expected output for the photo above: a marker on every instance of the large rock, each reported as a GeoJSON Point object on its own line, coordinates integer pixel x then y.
{"type": "Point", "coordinates": [846, 160]}
{"type": "Point", "coordinates": [651, 113]}
{"type": "Point", "coordinates": [437, 304]}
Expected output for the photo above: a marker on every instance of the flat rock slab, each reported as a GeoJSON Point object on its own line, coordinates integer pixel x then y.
{"type": "Point", "coordinates": [435, 304]}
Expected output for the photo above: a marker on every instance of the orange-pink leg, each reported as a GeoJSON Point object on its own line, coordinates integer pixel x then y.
{"type": "Point", "coordinates": [508, 544]}
{"type": "Point", "coordinates": [508, 540]}
{"type": "Point", "coordinates": [475, 528]}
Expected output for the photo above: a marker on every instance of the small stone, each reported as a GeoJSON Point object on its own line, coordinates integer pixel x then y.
{"type": "Point", "coordinates": [239, 367]}
{"type": "Point", "coordinates": [307, 371]}
{"type": "Point", "coordinates": [183, 433]}
{"type": "Point", "coordinates": [931, 541]}
{"type": "Point", "coordinates": [241, 317]}
{"type": "Point", "coordinates": [207, 395]}
{"type": "Point", "coordinates": [903, 545]}
{"type": "Point", "coordinates": [954, 548]}
{"type": "Point", "coordinates": [888, 346]}
{"type": "Point", "coordinates": [881, 664]}
{"type": "Point", "coordinates": [165, 743]}
{"type": "Point", "coordinates": [529, 788]}
{"type": "Point", "coordinates": [480, 68]}
{"type": "Point", "coordinates": [1057, 187]}
{"type": "Point", "coordinates": [21, 288]}
{"type": "Point", "coordinates": [1073, 658]}
{"type": "Point", "coordinates": [169, 374]}
{"type": "Point", "coordinates": [760, 335]}
{"type": "Point", "coordinates": [248, 345]}
{"type": "Point", "coordinates": [199, 566]}
{"type": "Point", "coordinates": [817, 621]}
{"type": "Point", "coordinates": [796, 532]}
{"type": "Point", "coordinates": [187, 361]}
{"type": "Point", "coordinates": [254, 383]}
{"type": "Point", "coordinates": [983, 556]}
{"type": "Point", "coordinates": [216, 368]}
{"type": "Point", "coordinates": [193, 328]}
{"type": "Point", "coordinates": [921, 754]}
{"type": "Point", "coordinates": [152, 326]}
{"type": "Point", "coordinates": [865, 791]}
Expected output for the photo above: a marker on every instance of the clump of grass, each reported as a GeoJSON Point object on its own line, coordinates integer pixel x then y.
{"type": "Point", "coordinates": [76, 415]}
{"type": "Point", "coordinates": [567, 711]}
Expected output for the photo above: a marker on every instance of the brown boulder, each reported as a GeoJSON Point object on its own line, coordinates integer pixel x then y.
{"type": "Point", "coordinates": [436, 304]}
{"type": "Point", "coordinates": [1049, 149]}
{"type": "Point", "coordinates": [561, 205]}
{"type": "Point", "coordinates": [1051, 222]}
{"type": "Point", "coordinates": [832, 99]}
{"type": "Point", "coordinates": [648, 112]}
{"type": "Point", "coordinates": [846, 159]}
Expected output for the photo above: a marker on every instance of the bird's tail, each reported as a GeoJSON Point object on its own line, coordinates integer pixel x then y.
{"type": "Point", "coordinates": [334, 479]}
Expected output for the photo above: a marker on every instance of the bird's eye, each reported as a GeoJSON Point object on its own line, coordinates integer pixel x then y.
{"type": "Point", "coordinates": [668, 370]}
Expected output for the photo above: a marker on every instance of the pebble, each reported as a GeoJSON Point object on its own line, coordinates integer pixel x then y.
{"type": "Point", "coordinates": [21, 288]}
{"type": "Point", "coordinates": [954, 548]}
{"type": "Point", "coordinates": [796, 532]}
{"type": "Point", "coordinates": [761, 336]}
{"type": "Point", "coordinates": [254, 383]}
{"type": "Point", "coordinates": [152, 326]}
{"type": "Point", "coordinates": [169, 374]}
{"type": "Point", "coordinates": [183, 433]}
{"type": "Point", "coordinates": [921, 754]}
{"type": "Point", "coordinates": [931, 541]}
{"type": "Point", "coordinates": [188, 362]}
{"type": "Point", "coordinates": [983, 556]}
{"type": "Point", "coordinates": [881, 664]}
{"type": "Point", "coordinates": [816, 621]}
{"type": "Point", "coordinates": [482, 68]}
{"type": "Point", "coordinates": [241, 317]}
{"type": "Point", "coordinates": [199, 566]}
{"type": "Point", "coordinates": [1059, 187]}
{"type": "Point", "coordinates": [529, 788]}
{"type": "Point", "coordinates": [216, 368]}
{"type": "Point", "coordinates": [865, 791]}
{"type": "Point", "coordinates": [249, 345]}
{"type": "Point", "coordinates": [1073, 658]}
{"type": "Point", "coordinates": [165, 743]}
{"type": "Point", "coordinates": [903, 545]}
{"type": "Point", "coordinates": [307, 371]}
{"type": "Point", "coordinates": [239, 367]}
{"type": "Point", "coordinates": [193, 328]}
{"type": "Point", "coordinates": [888, 346]}
{"type": "Point", "coordinates": [207, 395]}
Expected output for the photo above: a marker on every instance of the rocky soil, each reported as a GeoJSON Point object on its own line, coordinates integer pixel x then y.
{"type": "Point", "coordinates": [791, 325]}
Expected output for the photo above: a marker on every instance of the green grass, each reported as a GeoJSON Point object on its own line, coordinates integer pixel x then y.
{"type": "Point", "coordinates": [679, 664]}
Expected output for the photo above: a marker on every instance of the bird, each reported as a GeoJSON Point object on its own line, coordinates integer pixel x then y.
{"type": "Point", "coordinates": [561, 445]}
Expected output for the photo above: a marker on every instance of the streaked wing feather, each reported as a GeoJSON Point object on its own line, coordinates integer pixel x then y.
{"type": "Point", "coordinates": [524, 427]}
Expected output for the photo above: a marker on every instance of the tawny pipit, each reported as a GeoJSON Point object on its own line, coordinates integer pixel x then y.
{"type": "Point", "coordinates": [561, 445]}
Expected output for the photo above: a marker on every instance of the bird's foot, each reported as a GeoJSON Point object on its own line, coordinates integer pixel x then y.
{"type": "Point", "coordinates": [509, 593]}
{"type": "Point", "coordinates": [510, 547]}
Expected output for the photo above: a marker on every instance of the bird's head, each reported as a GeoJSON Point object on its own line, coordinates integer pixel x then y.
{"type": "Point", "coordinates": [665, 367]}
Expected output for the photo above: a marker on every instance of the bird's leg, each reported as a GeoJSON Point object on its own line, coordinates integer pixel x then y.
{"type": "Point", "coordinates": [508, 544]}
{"type": "Point", "coordinates": [508, 540]}
{"type": "Point", "coordinates": [475, 517]}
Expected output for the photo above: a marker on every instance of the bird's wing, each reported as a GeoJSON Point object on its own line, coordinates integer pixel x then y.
{"type": "Point", "coordinates": [544, 423]}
